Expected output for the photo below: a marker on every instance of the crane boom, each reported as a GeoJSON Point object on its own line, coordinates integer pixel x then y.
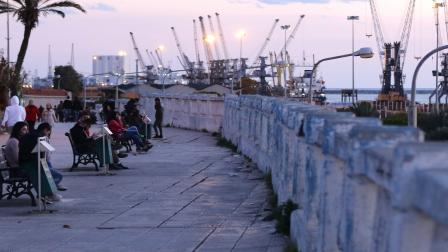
{"type": "Point", "coordinates": [266, 42]}
{"type": "Point", "coordinates": [293, 33]}
{"type": "Point", "coordinates": [212, 29]}
{"type": "Point", "coordinates": [379, 35]}
{"type": "Point", "coordinates": [185, 62]}
{"type": "Point", "coordinates": [154, 60]}
{"type": "Point", "coordinates": [137, 51]}
{"type": "Point", "coordinates": [159, 58]}
{"type": "Point", "coordinates": [196, 45]}
{"type": "Point", "coordinates": [221, 36]}
{"type": "Point", "coordinates": [208, 51]}
{"type": "Point", "coordinates": [406, 33]}
{"type": "Point", "coordinates": [150, 59]}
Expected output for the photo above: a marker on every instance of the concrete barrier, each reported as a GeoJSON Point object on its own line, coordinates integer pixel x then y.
{"type": "Point", "coordinates": [195, 112]}
{"type": "Point", "coordinates": [360, 186]}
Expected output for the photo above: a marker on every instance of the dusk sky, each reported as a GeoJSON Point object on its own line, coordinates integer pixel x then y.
{"type": "Point", "coordinates": [325, 31]}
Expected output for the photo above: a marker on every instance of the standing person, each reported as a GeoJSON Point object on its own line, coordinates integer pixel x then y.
{"type": "Point", "coordinates": [68, 106]}
{"type": "Point", "coordinates": [14, 113]}
{"type": "Point", "coordinates": [159, 118]}
{"type": "Point", "coordinates": [77, 108]}
{"type": "Point", "coordinates": [39, 115]}
{"type": "Point", "coordinates": [60, 111]}
{"type": "Point", "coordinates": [48, 116]}
{"type": "Point", "coordinates": [32, 114]}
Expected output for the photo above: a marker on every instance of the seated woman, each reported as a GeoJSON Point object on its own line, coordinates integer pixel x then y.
{"type": "Point", "coordinates": [27, 158]}
{"type": "Point", "coordinates": [120, 132]}
{"type": "Point", "coordinates": [84, 142]}
{"type": "Point", "coordinates": [12, 148]}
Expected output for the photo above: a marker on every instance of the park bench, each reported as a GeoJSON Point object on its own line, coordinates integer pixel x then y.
{"type": "Point", "coordinates": [14, 184]}
{"type": "Point", "coordinates": [83, 158]}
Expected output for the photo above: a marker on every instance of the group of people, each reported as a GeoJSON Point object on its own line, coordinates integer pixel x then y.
{"type": "Point", "coordinates": [19, 154]}
{"type": "Point", "coordinates": [68, 110]}
{"type": "Point", "coordinates": [128, 126]}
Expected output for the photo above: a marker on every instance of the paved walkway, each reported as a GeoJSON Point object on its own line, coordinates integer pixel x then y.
{"type": "Point", "coordinates": [186, 194]}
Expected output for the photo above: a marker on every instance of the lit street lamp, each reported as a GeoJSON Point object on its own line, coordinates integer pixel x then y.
{"type": "Point", "coordinates": [412, 110]}
{"type": "Point", "coordinates": [364, 53]}
{"type": "Point", "coordinates": [353, 18]}
{"type": "Point", "coordinates": [285, 28]}
{"type": "Point", "coordinates": [240, 35]}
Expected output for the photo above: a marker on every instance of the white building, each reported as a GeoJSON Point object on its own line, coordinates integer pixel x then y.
{"type": "Point", "coordinates": [108, 68]}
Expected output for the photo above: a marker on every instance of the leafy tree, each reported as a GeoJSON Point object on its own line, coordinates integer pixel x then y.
{"type": "Point", "coordinates": [69, 79]}
{"type": "Point", "coordinates": [6, 83]}
{"type": "Point", "coordinates": [28, 13]}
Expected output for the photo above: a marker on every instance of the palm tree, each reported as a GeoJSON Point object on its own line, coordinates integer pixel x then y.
{"type": "Point", "coordinates": [28, 13]}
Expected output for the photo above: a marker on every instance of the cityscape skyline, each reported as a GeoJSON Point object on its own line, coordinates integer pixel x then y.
{"type": "Point", "coordinates": [104, 30]}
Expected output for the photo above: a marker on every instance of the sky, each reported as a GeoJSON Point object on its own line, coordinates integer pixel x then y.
{"type": "Point", "coordinates": [325, 31]}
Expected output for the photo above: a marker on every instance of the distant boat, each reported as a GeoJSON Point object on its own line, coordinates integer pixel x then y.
{"type": "Point", "coordinates": [302, 84]}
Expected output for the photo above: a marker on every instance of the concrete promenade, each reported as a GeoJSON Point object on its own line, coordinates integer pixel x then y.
{"type": "Point", "coordinates": [186, 194]}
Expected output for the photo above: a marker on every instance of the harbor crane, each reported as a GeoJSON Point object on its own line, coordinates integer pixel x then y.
{"type": "Point", "coordinates": [392, 55]}
{"type": "Point", "coordinates": [221, 36]}
{"type": "Point", "coordinates": [266, 42]}
{"type": "Point", "coordinates": [159, 57]}
{"type": "Point", "coordinates": [196, 44]}
{"type": "Point", "coordinates": [137, 51]}
{"type": "Point", "coordinates": [293, 33]}
{"type": "Point", "coordinates": [185, 62]}
{"type": "Point", "coordinates": [212, 29]}
{"type": "Point", "coordinates": [207, 49]}
{"type": "Point", "coordinates": [154, 63]}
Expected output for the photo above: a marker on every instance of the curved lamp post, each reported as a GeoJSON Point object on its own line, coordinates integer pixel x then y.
{"type": "Point", "coordinates": [365, 53]}
{"type": "Point", "coordinates": [412, 111]}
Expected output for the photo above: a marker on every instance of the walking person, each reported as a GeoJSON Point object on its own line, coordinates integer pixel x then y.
{"type": "Point", "coordinates": [32, 115]}
{"type": "Point", "coordinates": [49, 116]}
{"type": "Point", "coordinates": [14, 113]}
{"type": "Point", "coordinates": [159, 118]}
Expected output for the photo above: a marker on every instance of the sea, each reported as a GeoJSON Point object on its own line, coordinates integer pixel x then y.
{"type": "Point", "coordinates": [334, 95]}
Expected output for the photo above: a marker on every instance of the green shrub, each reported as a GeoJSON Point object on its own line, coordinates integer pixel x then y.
{"type": "Point", "coordinates": [400, 119]}
{"type": "Point", "coordinates": [440, 134]}
{"type": "Point", "coordinates": [364, 109]}
{"type": "Point", "coordinates": [222, 142]}
{"type": "Point", "coordinates": [283, 216]}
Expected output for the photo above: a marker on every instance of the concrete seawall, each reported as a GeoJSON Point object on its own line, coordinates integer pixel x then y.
{"type": "Point", "coordinates": [360, 186]}
{"type": "Point", "coordinates": [196, 112]}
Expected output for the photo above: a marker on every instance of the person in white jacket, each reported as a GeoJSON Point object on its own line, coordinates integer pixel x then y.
{"type": "Point", "coordinates": [13, 113]}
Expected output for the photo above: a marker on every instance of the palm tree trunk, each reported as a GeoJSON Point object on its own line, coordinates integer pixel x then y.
{"type": "Point", "coordinates": [20, 58]}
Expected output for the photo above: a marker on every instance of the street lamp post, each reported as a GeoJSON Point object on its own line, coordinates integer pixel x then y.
{"type": "Point", "coordinates": [353, 18]}
{"type": "Point", "coordinates": [8, 38]}
{"type": "Point", "coordinates": [285, 28]}
{"type": "Point", "coordinates": [59, 77]}
{"type": "Point", "coordinates": [412, 111]}
{"type": "Point", "coordinates": [364, 53]}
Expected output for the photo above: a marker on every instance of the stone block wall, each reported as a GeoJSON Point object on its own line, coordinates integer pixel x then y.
{"type": "Point", "coordinates": [360, 186]}
{"type": "Point", "coordinates": [196, 112]}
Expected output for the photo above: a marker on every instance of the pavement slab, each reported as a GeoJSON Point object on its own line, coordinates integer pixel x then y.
{"type": "Point", "coordinates": [185, 194]}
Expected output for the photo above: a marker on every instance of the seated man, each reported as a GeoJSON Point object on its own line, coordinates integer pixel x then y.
{"type": "Point", "coordinates": [121, 133]}
{"type": "Point", "coordinates": [84, 142]}
{"type": "Point", "coordinates": [26, 146]}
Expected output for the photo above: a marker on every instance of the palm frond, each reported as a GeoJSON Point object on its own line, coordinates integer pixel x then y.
{"type": "Point", "coordinates": [19, 2]}
{"type": "Point", "coordinates": [64, 4]}
{"type": "Point", "coordinates": [53, 11]}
